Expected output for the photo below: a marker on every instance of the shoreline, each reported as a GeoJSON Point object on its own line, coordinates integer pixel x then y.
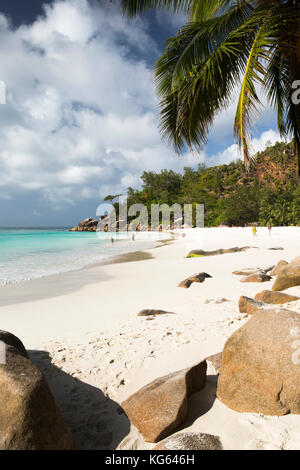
{"type": "Point", "coordinates": [29, 263]}
{"type": "Point", "coordinates": [57, 284]}
{"type": "Point", "coordinates": [95, 351]}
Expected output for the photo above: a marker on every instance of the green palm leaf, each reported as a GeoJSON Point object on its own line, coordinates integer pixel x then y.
{"type": "Point", "coordinates": [249, 101]}
{"type": "Point", "coordinates": [225, 44]}
{"type": "Point", "coordinates": [134, 7]}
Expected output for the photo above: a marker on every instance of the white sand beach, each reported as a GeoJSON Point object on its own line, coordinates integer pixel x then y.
{"type": "Point", "coordinates": [85, 335]}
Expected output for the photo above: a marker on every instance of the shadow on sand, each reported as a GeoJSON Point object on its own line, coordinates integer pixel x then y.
{"type": "Point", "coordinates": [96, 421]}
{"type": "Point", "coordinates": [201, 402]}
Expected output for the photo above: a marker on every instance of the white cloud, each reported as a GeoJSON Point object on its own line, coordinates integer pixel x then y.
{"type": "Point", "coordinates": [78, 102]}
{"type": "Point", "coordinates": [68, 21]}
{"type": "Point", "coordinates": [267, 138]}
{"type": "Point", "coordinates": [233, 153]}
{"type": "Point", "coordinates": [228, 155]}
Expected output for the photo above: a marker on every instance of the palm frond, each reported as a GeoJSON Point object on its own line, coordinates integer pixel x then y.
{"type": "Point", "coordinates": [275, 85]}
{"type": "Point", "coordinates": [203, 10]}
{"type": "Point", "coordinates": [197, 10]}
{"type": "Point", "coordinates": [198, 95]}
{"type": "Point", "coordinates": [195, 42]}
{"type": "Point", "coordinates": [249, 101]}
{"type": "Point", "coordinates": [227, 43]}
{"type": "Point", "coordinates": [135, 7]}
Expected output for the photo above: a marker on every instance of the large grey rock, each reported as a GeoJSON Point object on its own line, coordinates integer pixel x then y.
{"type": "Point", "coordinates": [29, 416]}
{"type": "Point", "coordinates": [12, 340]}
{"type": "Point", "coordinates": [276, 270]}
{"type": "Point", "coordinates": [250, 306]}
{"type": "Point", "coordinates": [152, 312]}
{"type": "Point", "coordinates": [221, 251]}
{"type": "Point", "coordinates": [157, 409]}
{"type": "Point", "coordinates": [260, 371]}
{"type": "Point", "coordinates": [249, 271]}
{"type": "Point", "coordinates": [288, 276]}
{"type": "Point", "coordinates": [86, 225]}
{"type": "Point", "coordinates": [258, 277]}
{"type": "Point", "coordinates": [194, 278]}
{"type": "Point", "coordinates": [190, 441]}
{"type": "Point", "coordinates": [275, 298]}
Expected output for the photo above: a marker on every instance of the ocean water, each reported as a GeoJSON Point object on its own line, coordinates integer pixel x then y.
{"type": "Point", "coordinates": [32, 253]}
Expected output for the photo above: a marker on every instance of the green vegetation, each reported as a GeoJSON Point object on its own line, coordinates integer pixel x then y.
{"type": "Point", "coordinates": [110, 197]}
{"type": "Point", "coordinates": [253, 45]}
{"type": "Point", "coordinates": [230, 194]}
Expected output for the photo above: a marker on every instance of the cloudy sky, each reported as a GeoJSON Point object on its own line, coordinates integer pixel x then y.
{"type": "Point", "coordinates": [80, 120]}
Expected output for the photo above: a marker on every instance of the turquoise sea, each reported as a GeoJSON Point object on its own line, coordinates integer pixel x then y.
{"type": "Point", "coordinates": [32, 253]}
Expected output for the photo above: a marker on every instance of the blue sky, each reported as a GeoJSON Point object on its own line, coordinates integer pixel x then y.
{"type": "Point", "coordinates": [81, 117]}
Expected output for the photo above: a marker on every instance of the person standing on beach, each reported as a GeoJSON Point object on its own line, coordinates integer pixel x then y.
{"type": "Point", "coordinates": [269, 228]}
{"type": "Point", "coordinates": [254, 231]}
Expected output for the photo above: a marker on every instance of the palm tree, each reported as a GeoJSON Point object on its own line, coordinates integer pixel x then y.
{"type": "Point", "coordinates": [226, 44]}
{"type": "Point", "coordinates": [111, 197]}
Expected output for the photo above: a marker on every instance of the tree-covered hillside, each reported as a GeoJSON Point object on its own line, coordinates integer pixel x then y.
{"type": "Point", "coordinates": [269, 193]}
